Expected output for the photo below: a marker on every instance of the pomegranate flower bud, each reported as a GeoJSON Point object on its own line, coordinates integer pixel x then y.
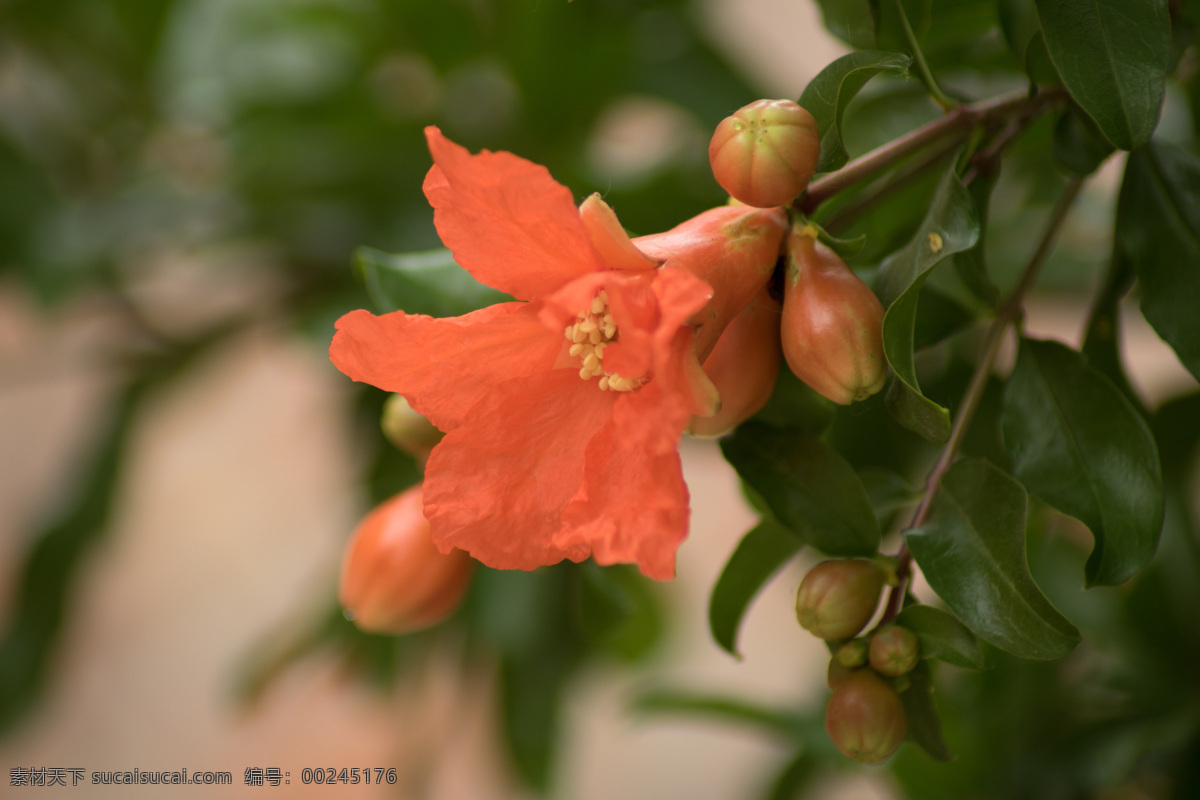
{"type": "Point", "coordinates": [894, 651]}
{"type": "Point", "coordinates": [743, 366]}
{"type": "Point", "coordinates": [766, 153]}
{"type": "Point", "coordinates": [853, 653]}
{"type": "Point", "coordinates": [394, 580]}
{"type": "Point", "coordinates": [837, 598]}
{"type": "Point", "coordinates": [407, 430]}
{"type": "Point", "coordinates": [832, 327]}
{"type": "Point", "coordinates": [865, 717]}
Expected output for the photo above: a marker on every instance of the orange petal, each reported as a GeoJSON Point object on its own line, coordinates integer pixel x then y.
{"type": "Point", "coordinates": [497, 486]}
{"type": "Point", "coordinates": [616, 249]}
{"type": "Point", "coordinates": [444, 366]}
{"type": "Point", "coordinates": [635, 509]}
{"type": "Point", "coordinates": [507, 221]}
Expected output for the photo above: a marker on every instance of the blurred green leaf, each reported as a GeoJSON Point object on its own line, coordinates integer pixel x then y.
{"type": "Point", "coordinates": [807, 485]}
{"type": "Point", "coordinates": [794, 778]}
{"type": "Point", "coordinates": [852, 21]}
{"type": "Point", "coordinates": [793, 404]}
{"type": "Point", "coordinates": [43, 592]}
{"type": "Point", "coordinates": [1158, 231]}
{"type": "Point", "coordinates": [950, 226]}
{"type": "Point", "coordinates": [972, 552]}
{"type": "Point", "coordinates": [768, 719]}
{"type": "Point", "coordinates": [938, 318]}
{"type": "Point", "coordinates": [423, 283]}
{"type": "Point", "coordinates": [971, 264]}
{"type": "Point", "coordinates": [924, 725]}
{"type": "Point", "coordinates": [1102, 343]}
{"type": "Point", "coordinates": [1112, 56]}
{"type": "Point", "coordinates": [1079, 146]}
{"type": "Point", "coordinates": [619, 610]}
{"type": "Point", "coordinates": [758, 558]}
{"type": "Point", "coordinates": [888, 491]}
{"type": "Point", "coordinates": [942, 636]}
{"type": "Point", "coordinates": [1079, 444]}
{"type": "Point", "coordinates": [828, 94]}
{"type": "Point", "coordinates": [1023, 32]}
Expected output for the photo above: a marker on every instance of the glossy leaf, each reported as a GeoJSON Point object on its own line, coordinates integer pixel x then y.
{"type": "Point", "coordinates": [924, 725]}
{"type": "Point", "coordinates": [807, 485]}
{"type": "Point", "coordinates": [828, 94]}
{"type": "Point", "coordinates": [888, 492]}
{"type": "Point", "coordinates": [1158, 231]}
{"type": "Point", "coordinates": [1080, 445]}
{"type": "Point", "coordinates": [1112, 56]}
{"type": "Point", "coordinates": [942, 636]}
{"type": "Point", "coordinates": [423, 283]}
{"type": "Point", "coordinates": [951, 226]}
{"type": "Point", "coordinates": [972, 552]}
{"type": "Point", "coordinates": [758, 557]}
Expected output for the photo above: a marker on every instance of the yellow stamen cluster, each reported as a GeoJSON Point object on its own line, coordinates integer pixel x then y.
{"type": "Point", "coordinates": [595, 331]}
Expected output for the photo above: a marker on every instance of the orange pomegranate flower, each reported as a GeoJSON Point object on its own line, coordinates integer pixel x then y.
{"type": "Point", "coordinates": [563, 410]}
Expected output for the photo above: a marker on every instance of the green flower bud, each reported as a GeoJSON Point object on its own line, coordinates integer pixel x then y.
{"type": "Point", "coordinates": [853, 653]}
{"type": "Point", "coordinates": [894, 651]}
{"type": "Point", "coordinates": [837, 598]}
{"type": "Point", "coordinates": [865, 718]}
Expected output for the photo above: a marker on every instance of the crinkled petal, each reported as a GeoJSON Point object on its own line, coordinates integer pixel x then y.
{"type": "Point", "coordinates": [506, 220]}
{"type": "Point", "coordinates": [635, 509]}
{"type": "Point", "coordinates": [444, 366]}
{"type": "Point", "coordinates": [497, 487]}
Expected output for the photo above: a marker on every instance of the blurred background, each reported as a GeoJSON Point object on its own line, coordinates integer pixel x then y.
{"type": "Point", "coordinates": [182, 186]}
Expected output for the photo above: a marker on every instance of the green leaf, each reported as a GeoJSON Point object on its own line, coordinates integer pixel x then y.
{"type": "Point", "coordinates": [1112, 56]}
{"type": "Point", "coordinates": [943, 636]}
{"type": "Point", "coordinates": [807, 486]}
{"type": "Point", "coordinates": [1019, 21]}
{"type": "Point", "coordinates": [924, 725]}
{"type": "Point", "coordinates": [888, 492]}
{"type": "Point", "coordinates": [41, 599]}
{"type": "Point", "coordinates": [423, 283]}
{"type": "Point", "coordinates": [951, 226]}
{"type": "Point", "coordinates": [1102, 343]}
{"type": "Point", "coordinates": [758, 557]}
{"type": "Point", "coordinates": [971, 264]}
{"type": "Point", "coordinates": [940, 317]}
{"type": "Point", "coordinates": [1080, 445]}
{"type": "Point", "coordinates": [1079, 146]}
{"type": "Point", "coordinates": [828, 94]}
{"type": "Point", "coordinates": [619, 611]}
{"type": "Point", "coordinates": [852, 21]}
{"type": "Point", "coordinates": [768, 719]}
{"type": "Point", "coordinates": [1158, 231]}
{"type": "Point", "coordinates": [972, 552]}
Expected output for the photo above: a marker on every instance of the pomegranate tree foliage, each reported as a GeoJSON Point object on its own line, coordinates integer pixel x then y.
{"type": "Point", "coordinates": [992, 115]}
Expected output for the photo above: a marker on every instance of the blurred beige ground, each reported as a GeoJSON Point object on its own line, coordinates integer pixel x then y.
{"type": "Point", "coordinates": [240, 491]}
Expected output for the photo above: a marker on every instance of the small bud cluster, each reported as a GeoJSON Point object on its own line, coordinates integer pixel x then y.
{"type": "Point", "coordinates": [865, 717]}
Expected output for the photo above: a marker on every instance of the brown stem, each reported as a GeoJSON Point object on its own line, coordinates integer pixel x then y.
{"type": "Point", "coordinates": [1010, 312]}
{"type": "Point", "coordinates": [955, 122]}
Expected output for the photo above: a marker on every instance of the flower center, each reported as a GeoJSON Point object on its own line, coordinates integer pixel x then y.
{"type": "Point", "coordinates": [595, 331]}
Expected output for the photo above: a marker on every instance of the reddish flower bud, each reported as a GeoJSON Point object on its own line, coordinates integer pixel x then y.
{"type": "Point", "coordinates": [394, 580]}
{"type": "Point", "coordinates": [408, 430]}
{"type": "Point", "coordinates": [743, 366]}
{"type": "Point", "coordinates": [837, 672]}
{"type": "Point", "coordinates": [832, 327]}
{"type": "Point", "coordinates": [837, 598]}
{"type": "Point", "coordinates": [894, 651]}
{"type": "Point", "coordinates": [865, 718]}
{"type": "Point", "coordinates": [765, 153]}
